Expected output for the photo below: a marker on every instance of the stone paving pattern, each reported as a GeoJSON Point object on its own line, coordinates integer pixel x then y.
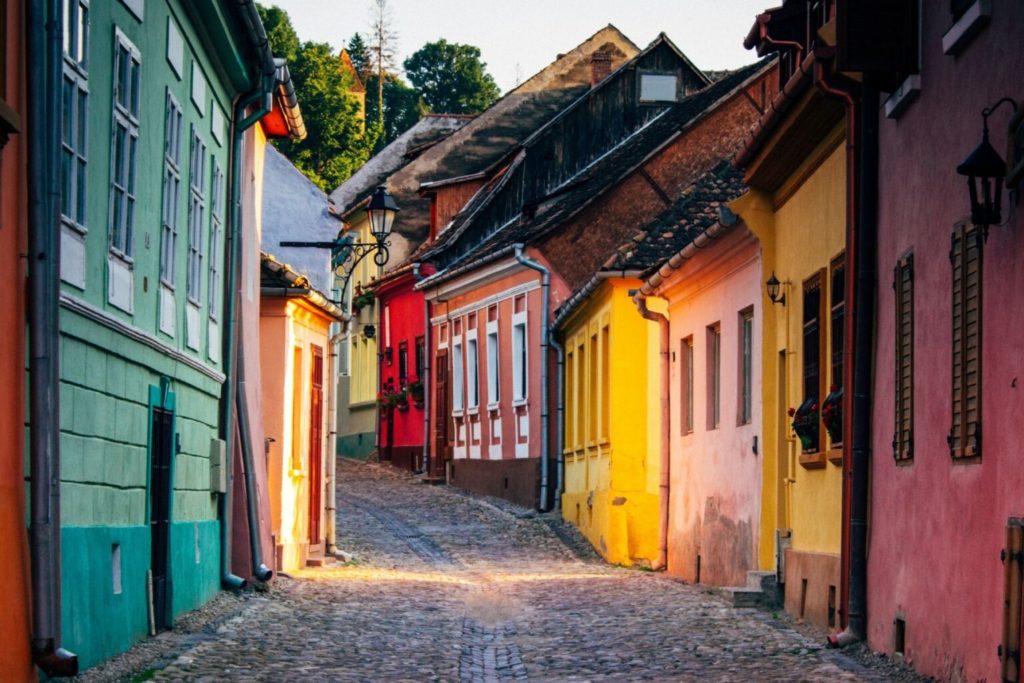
{"type": "Point", "coordinates": [447, 587]}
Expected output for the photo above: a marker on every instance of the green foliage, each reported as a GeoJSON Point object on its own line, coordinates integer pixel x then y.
{"type": "Point", "coordinates": [402, 107]}
{"type": "Point", "coordinates": [336, 144]}
{"type": "Point", "coordinates": [359, 53]}
{"type": "Point", "coordinates": [451, 79]}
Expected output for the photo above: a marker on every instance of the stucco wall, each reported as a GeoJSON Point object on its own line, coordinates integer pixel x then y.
{"type": "Point", "coordinates": [715, 502]}
{"type": "Point", "coordinates": [937, 527]}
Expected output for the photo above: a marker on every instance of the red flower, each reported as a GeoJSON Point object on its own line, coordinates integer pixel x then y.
{"type": "Point", "coordinates": [792, 412]}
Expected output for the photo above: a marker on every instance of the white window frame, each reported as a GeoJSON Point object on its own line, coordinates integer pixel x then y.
{"type": "Point", "coordinates": [136, 7]}
{"type": "Point", "coordinates": [472, 372]}
{"type": "Point", "coordinates": [173, 125]}
{"type": "Point", "coordinates": [520, 359]}
{"type": "Point", "coordinates": [213, 284]}
{"type": "Point", "coordinates": [125, 120]}
{"type": "Point", "coordinates": [493, 359]}
{"type": "Point", "coordinates": [458, 389]}
{"type": "Point", "coordinates": [196, 210]}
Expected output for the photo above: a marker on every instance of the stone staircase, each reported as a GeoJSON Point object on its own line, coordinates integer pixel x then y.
{"type": "Point", "coordinates": [762, 590]}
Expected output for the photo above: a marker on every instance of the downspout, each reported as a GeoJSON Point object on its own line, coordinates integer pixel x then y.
{"type": "Point", "coordinates": [260, 570]}
{"type": "Point", "coordinates": [425, 380]}
{"type": "Point", "coordinates": [640, 299]}
{"type": "Point", "coordinates": [43, 38]}
{"type": "Point", "coordinates": [857, 374]}
{"type": "Point", "coordinates": [545, 283]}
{"type": "Point", "coordinates": [559, 420]}
{"type": "Point", "coordinates": [240, 124]}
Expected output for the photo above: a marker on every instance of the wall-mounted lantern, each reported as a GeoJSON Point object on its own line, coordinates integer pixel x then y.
{"type": "Point", "coordinates": [985, 171]}
{"type": "Point", "coordinates": [369, 331]}
{"type": "Point", "coordinates": [774, 288]}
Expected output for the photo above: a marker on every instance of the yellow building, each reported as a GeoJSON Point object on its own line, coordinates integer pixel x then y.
{"type": "Point", "coordinates": [611, 421]}
{"type": "Point", "coordinates": [796, 166]}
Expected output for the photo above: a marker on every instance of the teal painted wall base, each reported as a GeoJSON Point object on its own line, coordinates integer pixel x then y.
{"type": "Point", "coordinates": [356, 446]}
{"type": "Point", "coordinates": [99, 623]}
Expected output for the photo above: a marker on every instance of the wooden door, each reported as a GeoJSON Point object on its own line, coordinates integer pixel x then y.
{"type": "Point", "coordinates": [442, 413]}
{"type": "Point", "coordinates": [316, 440]}
{"type": "Point", "coordinates": [160, 483]}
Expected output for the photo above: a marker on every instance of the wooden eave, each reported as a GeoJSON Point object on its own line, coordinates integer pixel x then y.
{"type": "Point", "coordinates": [808, 122]}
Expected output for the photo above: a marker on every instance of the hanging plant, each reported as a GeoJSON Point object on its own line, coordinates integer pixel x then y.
{"type": "Point", "coordinates": [391, 398]}
{"type": "Point", "coordinates": [805, 424]}
{"type": "Point", "coordinates": [415, 390]}
{"type": "Point", "coordinates": [832, 414]}
{"type": "Point", "coordinates": [361, 300]}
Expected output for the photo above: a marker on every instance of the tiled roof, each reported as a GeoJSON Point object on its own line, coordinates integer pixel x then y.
{"type": "Point", "coordinates": [567, 200]}
{"type": "Point", "coordinates": [697, 209]}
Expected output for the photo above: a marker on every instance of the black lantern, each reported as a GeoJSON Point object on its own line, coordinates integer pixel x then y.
{"type": "Point", "coordinates": [774, 287]}
{"type": "Point", "coordinates": [369, 331]}
{"type": "Point", "coordinates": [985, 171]}
{"type": "Point", "coordinates": [381, 211]}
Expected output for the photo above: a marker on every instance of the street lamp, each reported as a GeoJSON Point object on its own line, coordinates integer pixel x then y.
{"type": "Point", "coordinates": [346, 252]}
{"type": "Point", "coordinates": [773, 286]}
{"type": "Point", "coordinates": [985, 171]}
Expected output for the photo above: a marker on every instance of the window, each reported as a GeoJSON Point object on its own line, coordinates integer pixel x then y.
{"type": "Point", "coordinates": [837, 301]}
{"type": "Point", "coordinates": [196, 207]}
{"type": "Point", "coordinates": [457, 386]}
{"type": "Point", "coordinates": [812, 349]}
{"type": "Point", "coordinates": [421, 358]}
{"type": "Point", "coordinates": [75, 114]}
{"type": "Point", "coordinates": [216, 237]}
{"type": "Point", "coordinates": [658, 87]}
{"type": "Point", "coordinates": [472, 374]}
{"type": "Point", "coordinates": [570, 400]}
{"type": "Point", "coordinates": [746, 320]}
{"type": "Point", "coordinates": [403, 363]}
{"type": "Point", "coordinates": [581, 391]}
{"type": "Point", "coordinates": [714, 371]}
{"type": "Point", "coordinates": [686, 385]}
{"type": "Point", "coordinates": [127, 76]}
{"type": "Point", "coordinates": [493, 395]}
{"type": "Point", "coordinates": [519, 366]}
{"type": "Point", "coordinates": [605, 379]}
{"type": "Point", "coordinates": [903, 285]}
{"type": "Point", "coordinates": [965, 435]}
{"type": "Point", "coordinates": [172, 189]}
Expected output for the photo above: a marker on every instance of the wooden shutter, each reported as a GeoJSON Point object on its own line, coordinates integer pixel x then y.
{"type": "Point", "coordinates": [1009, 648]}
{"type": "Point", "coordinates": [903, 284]}
{"type": "Point", "coordinates": [965, 254]}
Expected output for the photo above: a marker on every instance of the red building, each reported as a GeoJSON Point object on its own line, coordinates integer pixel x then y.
{"type": "Point", "coordinates": [947, 482]}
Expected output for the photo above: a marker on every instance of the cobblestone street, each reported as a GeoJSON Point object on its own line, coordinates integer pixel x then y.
{"type": "Point", "coordinates": [452, 588]}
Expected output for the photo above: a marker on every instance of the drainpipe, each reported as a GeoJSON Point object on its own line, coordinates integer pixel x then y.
{"type": "Point", "coordinates": [640, 299]}
{"type": "Point", "coordinates": [240, 123]}
{"type": "Point", "coordinates": [43, 74]}
{"type": "Point", "coordinates": [861, 213]}
{"type": "Point", "coordinates": [545, 283]}
{"type": "Point", "coordinates": [425, 458]}
{"type": "Point", "coordinates": [559, 421]}
{"type": "Point", "coordinates": [332, 443]}
{"type": "Point", "coordinates": [259, 569]}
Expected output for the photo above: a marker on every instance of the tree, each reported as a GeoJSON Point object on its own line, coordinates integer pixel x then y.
{"type": "Point", "coordinates": [451, 78]}
{"type": "Point", "coordinates": [359, 53]}
{"type": "Point", "coordinates": [336, 144]}
{"type": "Point", "coordinates": [401, 107]}
{"type": "Point", "coordinates": [383, 39]}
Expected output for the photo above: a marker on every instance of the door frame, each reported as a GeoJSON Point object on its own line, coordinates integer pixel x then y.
{"type": "Point", "coordinates": [162, 398]}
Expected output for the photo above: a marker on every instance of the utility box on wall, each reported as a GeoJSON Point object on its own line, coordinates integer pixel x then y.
{"type": "Point", "coordinates": [218, 466]}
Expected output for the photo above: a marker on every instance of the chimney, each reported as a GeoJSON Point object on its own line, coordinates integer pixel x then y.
{"type": "Point", "coordinates": [600, 66]}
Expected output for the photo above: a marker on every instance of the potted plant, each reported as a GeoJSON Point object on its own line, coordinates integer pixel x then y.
{"type": "Point", "coordinates": [805, 424]}
{"type": "Point", "coordinates": [389, 397]}
{"type": "Point", "coordinates": [832, 414]}
{"type": "Point", "coordinates": [361, 299]}
{"type": "Point", "coordinates": [415, 390]}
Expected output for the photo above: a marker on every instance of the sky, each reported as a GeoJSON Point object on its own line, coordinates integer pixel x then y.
{"type": "Point", "coordinates": [518, 38]}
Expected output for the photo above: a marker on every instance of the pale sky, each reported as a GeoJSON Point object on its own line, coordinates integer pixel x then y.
{"type": "Point", "coordinates": [518, 38]}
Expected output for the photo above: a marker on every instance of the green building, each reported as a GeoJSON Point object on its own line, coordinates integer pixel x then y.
{"type": "Point", "coordinates": [148, 104]}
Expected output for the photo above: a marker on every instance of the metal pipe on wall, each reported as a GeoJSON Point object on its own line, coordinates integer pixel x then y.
{"type": "Point", "coordinates": [559, 421]}
{"type": "Point", "coordinates": [425, 380]}
{"type": "Point", "coordinates": [43, 41]}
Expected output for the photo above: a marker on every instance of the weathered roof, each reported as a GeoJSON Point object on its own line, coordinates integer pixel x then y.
{"type": "Point", "coordinates": [482, 143]}
{"type": "Point", "coordinates": [541, 216]}
{"type": "Point", "coordinates": [296, 209]}
{"type": "Point", "coordinates": [427, 131]}
{"type": "Point", "coordinates": [280, 279]}
{"type": "Point", "coordinates": [699, 207]}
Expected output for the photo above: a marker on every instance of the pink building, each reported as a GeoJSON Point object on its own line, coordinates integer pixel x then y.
{"type": "Point", "coordinates": [945, 501]}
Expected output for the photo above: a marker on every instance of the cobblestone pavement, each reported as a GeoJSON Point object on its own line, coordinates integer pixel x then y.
{"type": "Point", "coordinates": [446, 587]}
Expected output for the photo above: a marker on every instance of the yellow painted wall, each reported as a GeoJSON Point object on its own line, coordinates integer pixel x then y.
{"type": "Point", "coordinates": [612, 423]}
{"type": "Point", "coordinates": [801, 232]}
{"type": "Point", "coordinates": [363, 366]}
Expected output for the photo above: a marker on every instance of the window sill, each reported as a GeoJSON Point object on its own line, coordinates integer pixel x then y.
{"type": "Point", "coordinates": [473, 411]}
{"type": "Point", "coordinates": [520, 403]}
{"type": "Point", "coordinates": [962, 32]}
{"type": "Point", "coordinates": [493, 407]}
{"type": "Point", "coordinates": [904, 95]}
{"type": "Point", "coordinates": [835, 455]}
{"type": "Point", "coordinates": [80, 229]}
{"type": "Point", "coordinates": [122, 257]}
{"type": "Point", "coordinates": [813, 461]}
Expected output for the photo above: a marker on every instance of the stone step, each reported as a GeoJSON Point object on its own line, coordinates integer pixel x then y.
{"type": "Point", "coordinates": [741, 596]}
{"type": "Point", "coordinates": [764, 581]}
